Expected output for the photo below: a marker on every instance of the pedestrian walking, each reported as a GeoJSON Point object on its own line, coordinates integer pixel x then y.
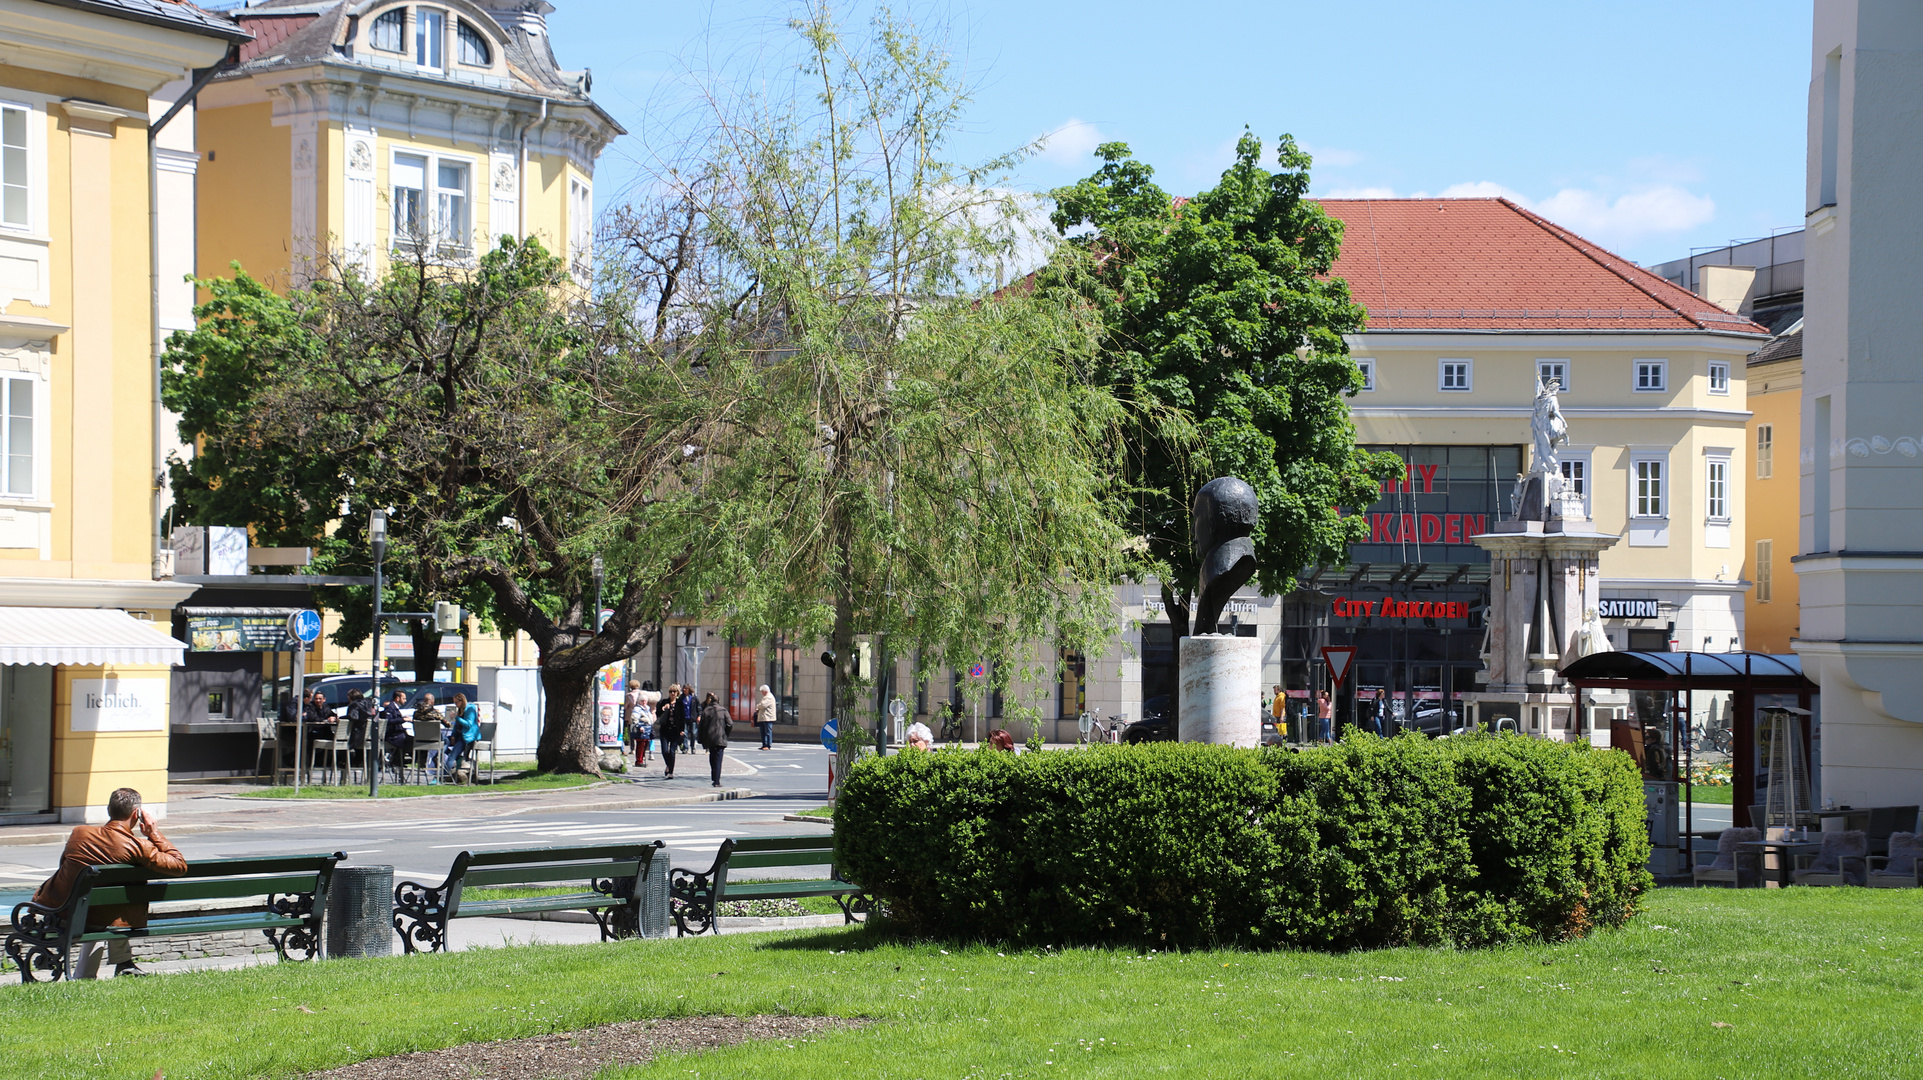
{"type": "Point", "coordinates": [712, 730]}
{"type": "Point", "coordinates": [765, 707]}
{"type": "Point", "coordinates": [1278, 712]}
{"type": "Point", "coordinates": [667, 728]}
{"type": "Point", "coordinates": [99, 845]}
{"type": "Point", "coordinates": [1324, 716]}
{"type": "Point", "coordinates": [690, 717]}
{"type": "Point", "coordinates": [643, 721]}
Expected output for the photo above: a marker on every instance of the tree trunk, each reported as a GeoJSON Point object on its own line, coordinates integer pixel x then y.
{"type": "Point", "coordinates": [427, 648]}
{"type": "Point", "coordinates": [568, 743]}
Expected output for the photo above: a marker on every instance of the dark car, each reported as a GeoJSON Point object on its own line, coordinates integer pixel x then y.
{"type": "Point", "coordinates": [1156, 725]}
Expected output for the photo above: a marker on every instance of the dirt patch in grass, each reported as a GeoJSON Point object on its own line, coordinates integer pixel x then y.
{"type": "Point", "coordinates": [577, 1055]}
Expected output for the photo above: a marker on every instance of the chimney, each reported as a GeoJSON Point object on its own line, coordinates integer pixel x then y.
{"type": "Point", "coordinates": [1731, 288]}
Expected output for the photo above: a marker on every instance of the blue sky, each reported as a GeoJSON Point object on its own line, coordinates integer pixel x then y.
{"type": "Point", "coordinates": [1648, 127]}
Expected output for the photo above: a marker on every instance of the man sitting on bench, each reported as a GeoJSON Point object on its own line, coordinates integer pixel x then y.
{"type": "Point", "coordinates": [114, 842]}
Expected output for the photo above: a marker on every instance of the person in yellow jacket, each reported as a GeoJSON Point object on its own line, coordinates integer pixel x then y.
{"type": "Point", "coordinates": [1278, 711]}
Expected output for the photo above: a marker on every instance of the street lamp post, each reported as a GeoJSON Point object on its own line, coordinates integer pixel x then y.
{"type": "Point", "coordinates": [376, 736]}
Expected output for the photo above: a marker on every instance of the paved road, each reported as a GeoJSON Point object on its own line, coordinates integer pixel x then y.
{"type": "Point", "coordinates": [420, 837]}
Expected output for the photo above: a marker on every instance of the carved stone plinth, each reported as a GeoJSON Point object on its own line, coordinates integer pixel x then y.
{"type": "Point", "coordinates": [1221, 688]}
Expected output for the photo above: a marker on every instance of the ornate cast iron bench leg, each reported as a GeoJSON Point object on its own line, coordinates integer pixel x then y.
{"type": "Point", "coordinates": [304, 938]}
{"type": "Point", "coordinates": [853, 904]}
{"type": "Point", "coordinates": [691, 895]}
{"type": "Point", "coordinates": [420, 917]}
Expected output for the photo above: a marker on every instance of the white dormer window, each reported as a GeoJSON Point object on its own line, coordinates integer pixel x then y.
{"type": "Point", "coordinates": [430, 28]}
{"type": "Point", "coordinates": [473, 49]}
{"type": "Point", "coordinates": [389, 31]}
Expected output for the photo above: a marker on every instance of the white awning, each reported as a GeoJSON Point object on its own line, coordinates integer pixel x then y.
{"type": "Point", "coordinates": [49, 635]}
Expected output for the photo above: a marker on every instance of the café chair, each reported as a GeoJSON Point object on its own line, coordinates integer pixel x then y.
{"type": "Point", "coordinates": [1887, 821]}
{"type": "Point", "coordinates": [483, 744]}
{"type": "Point", "coordinates": [427, 746]}
{"type": "Point", "coordinates": [1840, 861]}
{"type": "Point", "coordinates": [1730, 867]}
{"type": "Point", "coordinates": [1902, 868]}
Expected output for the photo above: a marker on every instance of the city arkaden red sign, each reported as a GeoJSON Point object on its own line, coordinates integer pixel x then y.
{"type": "Point", "coordinates": [1386, 608]}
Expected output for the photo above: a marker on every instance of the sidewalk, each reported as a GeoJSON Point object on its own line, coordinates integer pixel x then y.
{"type": "Point", "coordinates": [211, 808]}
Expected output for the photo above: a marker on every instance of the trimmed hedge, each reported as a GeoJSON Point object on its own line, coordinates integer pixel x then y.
{"type": "Point", "coordinates": [1370, 843]}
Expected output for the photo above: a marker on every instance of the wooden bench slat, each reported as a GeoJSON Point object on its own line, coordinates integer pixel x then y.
{"type": "Point", "coordinates": [781, 858]}
{"type": "Point", "coordinates": [163, 890]}
{"type": "Point", "coordinates": [549, 854]}
{"type": "Point", "coordinates": [798, 842]}
{"type": "Point", "coordinates": [212, 924]}
{"type": "Point", "coordinates": [785, 890]}
{"type": "Point", "coordinates": [522, 905]}
{"type": "Point", "coordinates": [521, 875]}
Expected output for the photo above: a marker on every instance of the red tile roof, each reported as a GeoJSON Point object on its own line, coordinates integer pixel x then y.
{"type": "Point", "coordinates": [270, 32]}
{"type": "Point", "coordinates": [1488, 264]}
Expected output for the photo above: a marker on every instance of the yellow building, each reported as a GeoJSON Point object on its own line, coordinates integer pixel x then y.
{"type": "Point", "coordinates": [367, 128]}
{"type": "Point", "coordinates": [1772, 613]}
{"type": "Point", "coordinates": [83, 672]}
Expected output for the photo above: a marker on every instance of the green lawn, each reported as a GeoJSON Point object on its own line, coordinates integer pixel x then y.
{"type": "Point", "coordinates": [1719, 795]}
{"type": "Point", "coordinates": [819, 811]}
{"type": "Point", "coordinates": [547, 782]}
{"type": "Point", "coordinates": [1812, 982]}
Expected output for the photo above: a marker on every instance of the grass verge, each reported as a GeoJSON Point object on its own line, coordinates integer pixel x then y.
{"type": "Point", "coordinates": [543, 782]}
{"type": "Point", "coordinates": [1797, 982]}
{"type": "Point", "coordinates": [819, 811]}
{"type": "Point", "coordinates": [1720, 795]}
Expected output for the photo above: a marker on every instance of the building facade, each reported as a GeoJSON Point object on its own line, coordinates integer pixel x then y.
{"type": "Point", "coordinates": [1772, 612]}
{"type": "Point", "coordinates": [83, 668]}
{"type": "Point", "coordinates": [1860, 473]}
{"type": "Point", "coordinates": [371, 129]}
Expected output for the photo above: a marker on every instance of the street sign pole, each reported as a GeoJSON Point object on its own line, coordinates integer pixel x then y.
{"type": "Point", "coordinates": [304, 628]}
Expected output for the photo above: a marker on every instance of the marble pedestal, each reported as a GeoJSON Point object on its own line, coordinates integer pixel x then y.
{"type": "Point", "coordinates": [1221, 695]}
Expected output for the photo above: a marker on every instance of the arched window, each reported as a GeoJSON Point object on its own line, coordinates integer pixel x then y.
{"type": "Point", "coordinates": [473, 47]}
{"type": "Point", "coordinates": [386, 32]}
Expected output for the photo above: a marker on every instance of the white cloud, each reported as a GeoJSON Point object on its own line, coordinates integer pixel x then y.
{"type": "Point", "coordinates": [1625, 218]}
{"type": "Point", "coordinates": [1071, 144]}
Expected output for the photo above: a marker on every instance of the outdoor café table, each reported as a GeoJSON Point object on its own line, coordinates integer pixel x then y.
{"type": "Point", "coordinates": [1784, 852]}
{"type": "Point", "coordinates": [1857, 818]}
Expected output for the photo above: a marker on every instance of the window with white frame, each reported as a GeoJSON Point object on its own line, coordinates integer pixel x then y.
{"type": "Point", "coordinates": [387, 31]}
{"type": "Point", "coordinates": [453, 228]}
{"type": "Point", "coordinates": [1455, 375]}
{"type": "Point", "coordinates": [580, 225]}
{"type": "Point", "coordinates": [17, 481]}
{"type": "Point", "coordinates": [472, 45]}
{"type": "Point", "coordinates": [1366, 365]}
{"type": "Point", "coordinates": [1764, 570]}
{"type": "Point", "coordinates": [1716, 489]}
{"type": "Point", "coordinates": [1575, 476]}
{"type": "Point", "coordinates": [1718, 377]}
{"type": "Point", "coordinates": [407, 184]}
{"type": "Point", "coordinates": [430, 30]}
{"type": "Point", "coordinates": [16, 184]}
{"type": "Point", "coordinates": [1553, 369]}
{"type": "Point", "coordinates": [1648, 477]}
{"type": "Point", "coordinates": [1765, 450]}
{"type": "Point", "coordinates": [1652, 376]}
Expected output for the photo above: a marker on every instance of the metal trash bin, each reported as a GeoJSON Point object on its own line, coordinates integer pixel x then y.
{"type": "Point", "coordinates": [360, 908]}
{"type": "Point", "coordinates": [655, 920]}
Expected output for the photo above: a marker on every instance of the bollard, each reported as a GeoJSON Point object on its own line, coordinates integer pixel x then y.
{"type": "Point", "coordinates": [360, 908]}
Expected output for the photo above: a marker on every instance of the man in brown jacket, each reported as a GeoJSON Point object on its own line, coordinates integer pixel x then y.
{"type": "Point", "coordinates": [114, 842]}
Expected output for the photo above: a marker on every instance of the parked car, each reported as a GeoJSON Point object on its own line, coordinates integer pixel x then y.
{"type": "Point", "coordinates": [332, 687]}
{"type": "Point", "coordinates": [1156, 725]}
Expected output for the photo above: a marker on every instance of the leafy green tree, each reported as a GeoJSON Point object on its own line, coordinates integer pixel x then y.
{"type": "Point", "coordinates": [512, 427]}
{"type": "Point", "coordinates": [1223, 333]}
{"type": "Point", "coordinates": [915, 457]}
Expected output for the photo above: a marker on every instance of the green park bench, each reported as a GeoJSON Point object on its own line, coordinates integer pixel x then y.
{"type": "Point", "coordinates": [294, 888]}
{"type": "Point", "coordinates": [612, 893]}
{"type": "Point", "coordinates": [693, 895]}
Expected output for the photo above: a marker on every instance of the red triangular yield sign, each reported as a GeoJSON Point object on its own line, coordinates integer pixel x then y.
{"type": "Point", "coordinates": [1339, 658]}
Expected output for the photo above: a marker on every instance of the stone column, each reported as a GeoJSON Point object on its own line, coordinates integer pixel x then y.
{"type": "Point", "coordinates": [1221, 698]}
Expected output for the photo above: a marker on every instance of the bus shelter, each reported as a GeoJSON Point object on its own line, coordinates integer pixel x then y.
{"type": "Point", "coordinates": [1686, 706]}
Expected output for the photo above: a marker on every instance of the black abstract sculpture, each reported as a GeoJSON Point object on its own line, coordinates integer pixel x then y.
{"type": "Point", "coordinates": [1224, 517]}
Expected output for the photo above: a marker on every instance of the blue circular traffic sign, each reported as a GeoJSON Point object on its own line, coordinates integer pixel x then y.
{"type": "Point", "coordinates": [305, 626]}
{"type": "Point", "coordinates": [828, 732]}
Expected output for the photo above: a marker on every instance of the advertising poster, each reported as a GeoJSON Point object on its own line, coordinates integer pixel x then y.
{"type": "Point", "coordinates": [610, 684]}
{"type": "Point", "coordinates": [238, 633]}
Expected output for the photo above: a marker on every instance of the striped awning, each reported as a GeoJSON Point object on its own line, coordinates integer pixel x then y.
{"type": "Point", "coordinates": [47, 635]}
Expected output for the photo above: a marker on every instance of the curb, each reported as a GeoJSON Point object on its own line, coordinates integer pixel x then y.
{"type": "Point", "coordinates": [814, 819]}
{"type": "Point", "coordinates": [477, 793]}
{"type": "Point", "coordinates": [726, 922]}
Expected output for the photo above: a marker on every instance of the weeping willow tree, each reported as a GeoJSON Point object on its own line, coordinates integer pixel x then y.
{"type": "Point", "coordinates": [915, 455]}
